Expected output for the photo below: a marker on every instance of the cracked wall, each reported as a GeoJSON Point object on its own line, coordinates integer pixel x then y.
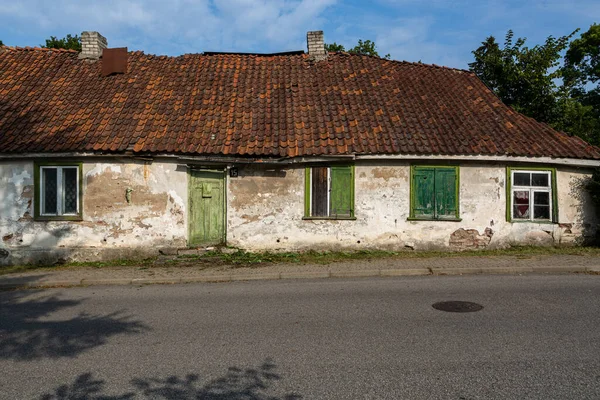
{"type": "Point", "coordinates": [265, 212]}
{"type": "Point", "coordinates": [111, 227]}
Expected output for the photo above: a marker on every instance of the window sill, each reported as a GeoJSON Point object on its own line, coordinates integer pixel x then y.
{"type": "Point", "coordinates": [329, 218]}
{"type": "Point", "coordinates": [435, 219]}
{"type": "Point", "coordinates": [525, 221]}
{"type": "Point", "coordinates": [59, 218]}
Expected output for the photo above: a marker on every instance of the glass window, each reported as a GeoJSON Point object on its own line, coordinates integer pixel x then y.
{"type": "Point", "coordinates": [59, 191]}
{"type": "Point", "coordinates": [531, 195]}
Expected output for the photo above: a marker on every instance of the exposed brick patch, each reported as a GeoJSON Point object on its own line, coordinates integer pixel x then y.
{"type": "Point", "coordinates": [463, 239]}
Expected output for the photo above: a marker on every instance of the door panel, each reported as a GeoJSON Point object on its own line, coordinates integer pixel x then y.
{"type": "Point", "coordinates": [207, 207]}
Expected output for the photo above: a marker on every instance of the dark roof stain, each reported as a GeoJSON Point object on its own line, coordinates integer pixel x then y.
{"type": "Point", "coordinates": [281, 105]}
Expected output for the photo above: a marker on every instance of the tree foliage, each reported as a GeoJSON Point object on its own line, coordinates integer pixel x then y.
{"type": "Point", "coordinates": [366, 47]}
{"type": "Point", "coordinates": [582, 61]}
{"type": "Point", "coordinates": [523, 77]}
{"type": "Point", "coordinates": [68, 42]}
{"type": "Point", "coordinates": [540, 83]}
{"type": "Point", "coordinates": [581, 74]}
{"type": "Point", "coordinates": [1, 44]}
{"type": "Point", "coordinates": [334, 47]}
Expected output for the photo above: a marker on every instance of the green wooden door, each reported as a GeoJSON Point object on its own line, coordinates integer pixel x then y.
{"type": "Point", "coordinates": [207, 207]}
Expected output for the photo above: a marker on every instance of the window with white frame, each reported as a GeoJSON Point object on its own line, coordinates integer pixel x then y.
{"type": "Point", "coordinates": [58, 191]}
{"type": "Point", "coordinates": [531, 195]}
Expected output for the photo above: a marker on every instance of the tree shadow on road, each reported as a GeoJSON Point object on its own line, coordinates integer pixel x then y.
{"type": "Point", "coordinates": [29, 330]}
{"type": "Point", "coordinates": [236, 384]}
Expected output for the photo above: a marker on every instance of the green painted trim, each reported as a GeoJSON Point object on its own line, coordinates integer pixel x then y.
{"type": "Point", "coordinates": [306, 192]}
{"type": "Point", "coordinates": [329, 218]}
{"type": "Point", "coordinates": [352, 191]}
{"type": "Point", "coordinates": [188, 212]}
{"type": "Point", "coordinates": [411, 213]}
{"type": "Point", "coordinates": [456, 200]}
{"type": "Point", "coordinates": [307, 215]}
{"type": "Point", "coordinates": [36, 191]}
{"type": "Point", "coordinates": [414, 168]}
{"type": "Point", "coordinates": [435, 220]}
{"type": "Point", "coordinates": [224, 235]}
{"type": "Point", "coordinates": [554, 188]}
{"type": "Point", "coordinates": [508, 200]}
{"type": "Point", "coordinates": [554, 197]}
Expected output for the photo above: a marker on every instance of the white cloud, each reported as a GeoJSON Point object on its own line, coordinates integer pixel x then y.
{"type": "Point", "coordinates": [176, 25]}
{"type": "Point", "coordinates": [437, 31]}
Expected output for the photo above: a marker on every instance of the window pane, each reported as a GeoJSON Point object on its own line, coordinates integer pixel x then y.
{"type": "Point", "coordinates": [70, 190]}
{"type": "Point", "coordinates": [49, 183]}
{"type": "Point", "coordinates": [319, 192]}
{"type": "Point", "coordinates": [541, 212]}
{"type": "Point", "coordinates": [541, 198]}
{"type": "Point", "coordinates": [521, 204]}
{"type": "Point", "coordinates": [522, 179]}
{"type": "Point", "coordinates": [539, 180]}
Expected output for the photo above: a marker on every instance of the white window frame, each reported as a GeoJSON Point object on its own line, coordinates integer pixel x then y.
{"type": "Point", "coordinates": [532, 189]}
{"type": "Point", "coordinates": [59, 191]}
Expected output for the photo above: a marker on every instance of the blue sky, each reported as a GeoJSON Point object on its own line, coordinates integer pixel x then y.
{"type": "Point", "coordinates": [433, 31]}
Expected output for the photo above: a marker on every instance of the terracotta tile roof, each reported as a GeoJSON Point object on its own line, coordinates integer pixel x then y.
{"type": "Point", "coordinates": [251, 105]}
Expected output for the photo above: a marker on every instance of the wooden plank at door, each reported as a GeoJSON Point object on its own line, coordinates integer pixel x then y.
{"type": "Point", "coordinates": [206, 207]}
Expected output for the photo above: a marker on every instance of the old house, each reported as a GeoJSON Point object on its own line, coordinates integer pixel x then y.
{"type": "Point", "coordinates": [109, 153]}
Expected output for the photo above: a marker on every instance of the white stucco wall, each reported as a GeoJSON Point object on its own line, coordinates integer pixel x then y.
{"type": "Point", "coordinates": [156, 216]}
{"type": "Point", "coordinates": [265, 207]}
{"type": "Point", "coordinates": [265, 212]}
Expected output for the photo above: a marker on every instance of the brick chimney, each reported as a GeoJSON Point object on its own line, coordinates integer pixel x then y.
{"type": "Point", "coordinates": [316, 45]}
{"type": "Point", "coordinates": [92, 44]}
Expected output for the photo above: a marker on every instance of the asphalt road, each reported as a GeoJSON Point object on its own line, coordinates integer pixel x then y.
{"type": "Point", "coordinates": [538, 337]}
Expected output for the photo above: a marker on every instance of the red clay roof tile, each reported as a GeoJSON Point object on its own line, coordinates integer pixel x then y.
{"type": "Point", "coordinates": [276, 106]}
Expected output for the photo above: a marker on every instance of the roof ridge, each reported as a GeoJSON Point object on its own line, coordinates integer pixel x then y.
{"type": "Point", "coordinates": [402, 61]}
{"type": "Point", "coordinates": [43, 49]}
{"type": "Point", "coordinates": [283, 54]}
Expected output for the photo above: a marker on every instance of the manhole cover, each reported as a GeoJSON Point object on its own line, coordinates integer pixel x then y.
{"type": "Point", "coordinates": [457, 306]}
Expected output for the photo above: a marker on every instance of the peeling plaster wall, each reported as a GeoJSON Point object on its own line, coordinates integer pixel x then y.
{"type": "Point", "coordinates": [111, 227]}
{"type": "Point", "coordinates": [265, 210]}
{"type": "Point", "coordinates": [265, 207]}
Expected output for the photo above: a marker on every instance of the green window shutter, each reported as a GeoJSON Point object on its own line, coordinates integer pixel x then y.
{"type": "Point", "coordinates": [341, 202]}
{"type": "Point", "coordinates": [423, 192]}
{"type": "Point", "coordinates": [445, 193]}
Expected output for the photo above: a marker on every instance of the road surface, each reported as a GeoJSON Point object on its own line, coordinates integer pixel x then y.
{"type": "Point", "coordinates": [537, 337]}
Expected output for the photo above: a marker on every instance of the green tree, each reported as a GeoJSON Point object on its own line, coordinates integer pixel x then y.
{"type": "Point", "coordinates": [366, 47]}
{"type": "Point", "coordinates": [581, 74]}
{"type": "Point", "coordinates": [334, 47]}
{"type": "Point", "coordinates": [524, 78]}
{"type": "Point", "coordinates": [1, 44]}
{"type": "Point", "coordinates": [68, 42]}
{"type": "Point", "coordinates": [582, 60]}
